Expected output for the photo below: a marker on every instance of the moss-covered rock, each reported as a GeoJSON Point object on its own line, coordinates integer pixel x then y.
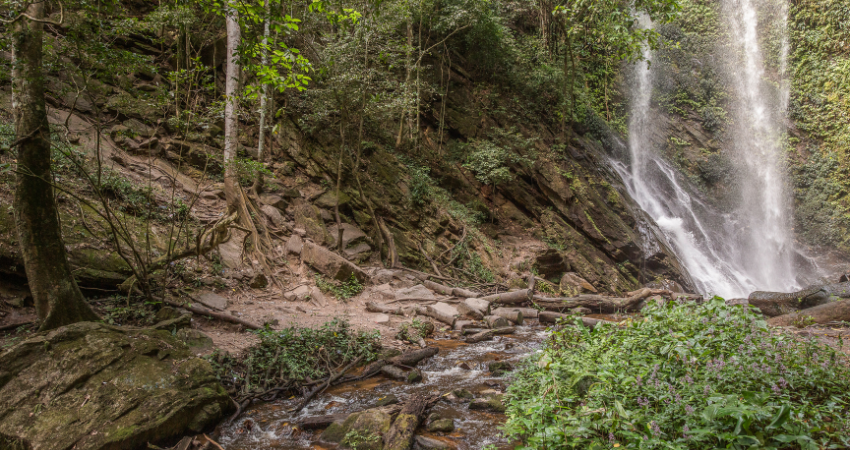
{"type": "Point", "coordinates": [95, 386]}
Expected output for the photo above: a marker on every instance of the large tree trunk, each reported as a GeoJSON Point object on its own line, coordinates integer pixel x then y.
{"type": "Point", "coordinates": [58, 300]}
{"type": "Point", "coordinates": [232, 190]}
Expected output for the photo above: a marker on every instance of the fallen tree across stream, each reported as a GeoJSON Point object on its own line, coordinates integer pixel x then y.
{"type": "Point", "coordinates": [599, 303]}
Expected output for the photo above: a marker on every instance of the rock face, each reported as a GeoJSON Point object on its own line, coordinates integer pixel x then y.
{"type": "Point", "coordinates": [92, 386]}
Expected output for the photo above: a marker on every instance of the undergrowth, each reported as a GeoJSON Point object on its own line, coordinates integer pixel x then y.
{"type": "Point", "coordinates": [343, 290]}
{"type": "Point", "coordinates": [686, 377]}
{"type": "Point", "coordinates": [293, 356]}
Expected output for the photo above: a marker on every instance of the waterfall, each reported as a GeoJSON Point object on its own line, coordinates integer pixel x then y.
{"type": "Point", "coordinates": [727, 253]}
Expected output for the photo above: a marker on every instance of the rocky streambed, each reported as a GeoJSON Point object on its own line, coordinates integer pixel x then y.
{"type": "Point", "coordinates": [469, 378]}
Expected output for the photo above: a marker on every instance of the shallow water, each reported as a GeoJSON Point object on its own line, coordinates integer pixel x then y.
{"type": "Point", "coordinates": [270, 426]}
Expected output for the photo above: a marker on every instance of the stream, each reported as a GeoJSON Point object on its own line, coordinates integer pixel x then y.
{"type": "Point", "coordinates": [457, 366]}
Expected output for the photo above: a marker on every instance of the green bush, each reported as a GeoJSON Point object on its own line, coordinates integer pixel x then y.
{"type": "Point", "coordinates": [342, 290]}
{"type": "Point", "coordinates": [685, 377]}
{"type": "Point", "coordinates": [293, 355]}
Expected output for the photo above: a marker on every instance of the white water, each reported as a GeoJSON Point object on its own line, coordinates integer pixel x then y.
{"type": "Point", "coordinates": [727, 254]}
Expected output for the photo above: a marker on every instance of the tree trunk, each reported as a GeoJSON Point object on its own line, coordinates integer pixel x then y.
{"type": "Point", "coordinates": [510, 298]}
{"type": "Point", "coordinates": [58, 300]}
{"type": "Point", "coordinates": [400, 434]}
{"type": "Point", "coordinates": [264, 60]}
{"type": "Point", "coordinates": [830, 312]}
{"type": "Point", "coordinates": [488, 334]}
{"type": "Point", "coordinates": [232, 190]}
{"type": "Point", "coordinates": [596, 303]}
{"type": "Point", "coordinates": [552, 317]}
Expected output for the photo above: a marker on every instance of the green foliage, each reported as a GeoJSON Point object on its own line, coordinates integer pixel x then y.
{"type": "Point", "coordinates": [291, 356]}
{"type": "Point", "coordinates": [686, 377]}
{"type": "Point", "coordinates": [342, 290]}
{"type": "Point", "coordinates": [247, 170]}
{"type": "Point", "coordinates": [356, 438]}
{"type": "Point", "coordinates": [415, 330]}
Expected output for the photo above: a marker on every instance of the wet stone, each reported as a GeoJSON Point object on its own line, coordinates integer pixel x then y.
{"type": "Point", "coordinates": [426, 443]}
{"type": "Point", "coordinates": [390, 399]}
{"type": "Point", "coordinates": [499, 368]}
{"type": "Point", "coordinates": [443, 425]}
{"type": "Point", "coordinates": [492, 404]}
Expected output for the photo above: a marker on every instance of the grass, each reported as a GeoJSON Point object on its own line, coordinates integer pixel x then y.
{"type": "Point", "coordinates": [682, 377]}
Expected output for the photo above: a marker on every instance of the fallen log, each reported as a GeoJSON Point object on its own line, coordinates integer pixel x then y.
{"type": "Point", "coordinates": [494, 321]}
{"type": "Point", "coordinates": [829, 312]}
{"type": "Point", "coordinates": [595, 303]}
{"type": "Point", "coordinates": [510, 298]}
{"type": "Point", "coordinates": [397, 373]}
{"type": "Point", "coordinates": [486, 335]}
{"type": "Point", "coordinates": [325, 385]}
{"type": "Point", "coordinates": [323, 421]}
{"type": "Point", "coordinates": [512, 314]}
{"type": "Point", "coordinates": [464, 293]}
{"type": "Point", "coordinates": [406, 359]}
{"type": "Point", "coordinates": [400, 434]}
{"type": "Point", "coordinates": [386, 309]}
{"type": "Point", "coordinates": [437, 287]}
{"type": "Point", "coordinates": [413, 357]}
{"type": "Point", "coordinates": [528, 313]}
{"type": "Point", "coordinates": [774, 304]}
{"type": "Point", "coordinates": [474, 307]}
{"type": "Point", "coordinates": [441, 311]}
{"type": "Point", "coordinates": [317, 422]}
{"type": "Point", "coordinates": [552, 317]}
{"type": "Point", "coordinates": [206, 312]}
{"type": "Point", "coordinates": [461, 324]}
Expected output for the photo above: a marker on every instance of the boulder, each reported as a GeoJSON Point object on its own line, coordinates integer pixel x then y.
{"type": "Point", "coordinates": [370, 426]}
{"type": "Point", "coordinates": [300, 293]}
{"type": "Point", "coordinates": [499, 368]}
{"type": "Point", "coordinates": [444, 425]}
{"type": "Point", "coordinates": [330, 264]}
{"type": "Point", "coordinates": [273, 200]}
{"type": "Point", "coordinates": [274, 215]}
{"type": "Point", "coordinates": [92, 386]}
{"type": "Point", "coordinates": [294, 244]}
{"type": "Point", "coordinates": [197, 341]}
{"type": "Point", "coordinates": [354, 241]}
{"type": "Point", "coordinates": [417, 292]}
{"type": "Point", "coordinates": [427, 443]}
{"type": "Point", "coordinates": [211, 300]}
{"type": "Point", "coordinates": [571, 282]}
{"type": "Point", "coordinates": [328, 199]}
{"type": "Point", "coordinates": [258, 281]}
{"type": "Point", "coordinates": [491, 404]}
{"type": "Point", "coordinates": [231, 251]}
{"type": "Point", "coordinates": [390, 399]}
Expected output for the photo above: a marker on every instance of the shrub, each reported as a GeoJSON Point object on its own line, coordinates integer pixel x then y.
{"type": "Point", "coordinates": [292, 355]}
{"type": "Point", "coordinates": [685, 377]}
{"type": "Point", "coordinates": [342, 290]}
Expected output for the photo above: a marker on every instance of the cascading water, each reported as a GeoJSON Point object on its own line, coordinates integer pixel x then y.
{"type": "Point", "coordinates": [727, 254]}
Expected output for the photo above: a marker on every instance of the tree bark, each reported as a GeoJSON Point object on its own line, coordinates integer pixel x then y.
{"type": "Point", "coordinates": [552, 317]}
{"type": "Point", "coordinates": [511, 314]}
{"type": "Point", "coordinates": [58, 300]}
{"type": "Point", "coordinates": [774, 304]}
{"type": "Point", "coordinates": [488, 334]}
{"type": "Point", "coordinates": [830, 312]}
{"type": "Point", "coordinates": [596, 303]}
{"type": "Point", "coordinates": [400, 435]}
{"type": "Point", "coordinates": [232, 190]}
{"type": "Point", "coordinates": [264, 60]}
{"type": "Point", "coordinates": [510, 298]}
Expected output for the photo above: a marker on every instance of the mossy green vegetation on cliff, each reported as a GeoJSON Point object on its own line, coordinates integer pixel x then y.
{"type": "Point", "coordinates": [682, 377]}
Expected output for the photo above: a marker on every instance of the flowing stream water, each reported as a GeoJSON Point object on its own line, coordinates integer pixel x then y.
{"type": "Point", "coordinates": [727, 253]}
{"type": "Point", "coordinates": [456, 366]}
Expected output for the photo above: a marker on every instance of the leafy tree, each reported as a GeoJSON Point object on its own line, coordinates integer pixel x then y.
{"type": "Point", "coordinates": [57, 297]}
